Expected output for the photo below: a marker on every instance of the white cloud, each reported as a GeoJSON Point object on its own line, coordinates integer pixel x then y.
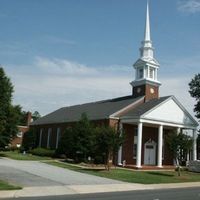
{"type": "Point", "coordinates": [57, 40]}
{"type": "Point", "coordinates": [189, 6]}
{"type": "Point", "coordinates": [49, 84]}
{"type": "Point", "coordinates": [63, 67]}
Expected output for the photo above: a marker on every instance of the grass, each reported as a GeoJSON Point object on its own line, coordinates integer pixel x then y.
{"type": "Point", "coordinates": [131, 176]}
{"type": "Point", "coordinates": [6, 186]}
{"type": "Point", "coordinates": [19, 156]}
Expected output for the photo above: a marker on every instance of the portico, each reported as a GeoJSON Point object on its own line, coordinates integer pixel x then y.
{"type": "Point", "coordinates": [150, 125]}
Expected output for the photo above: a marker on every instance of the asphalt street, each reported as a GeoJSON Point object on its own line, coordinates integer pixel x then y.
{"type": "Point", "coordinates": [167, 194]}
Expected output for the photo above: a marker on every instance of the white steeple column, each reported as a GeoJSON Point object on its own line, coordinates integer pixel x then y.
{"type": "Point", "coordinates": [194, 144]}
{"type": "Point", "coordinates": [160, 144]}
{"type": "Point", "coordinates": [119, 158]}
{"type": "Point", "coordinates": [139, 145]}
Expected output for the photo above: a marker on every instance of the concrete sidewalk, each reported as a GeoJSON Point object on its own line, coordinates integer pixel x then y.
{"type": "Point", "coordinates": [85, 189]}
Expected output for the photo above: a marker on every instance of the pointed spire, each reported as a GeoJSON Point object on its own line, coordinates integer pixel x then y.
{"type": "Point", "coordinates": [147, 36]}
{"type": "Point", "coordinates": [147, 50]}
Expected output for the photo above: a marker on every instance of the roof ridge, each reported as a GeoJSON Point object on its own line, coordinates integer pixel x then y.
{"type": "Point", "coordinates": [100, 101]}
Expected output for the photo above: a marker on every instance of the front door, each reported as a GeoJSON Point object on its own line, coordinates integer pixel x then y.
{"type": "Point", "coordinates": [150, 153]}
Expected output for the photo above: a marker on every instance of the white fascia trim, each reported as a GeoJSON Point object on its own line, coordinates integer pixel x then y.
{"type": "Point", "coordinates": [165, 123]}
{"type": "Point", "coordinates": [156, 122]}
{"type": "Point", "coordinates": [113, 117]}
{"type": "Point", "coordinates": [22, 126]}
{"type": "Point", "coordinates": [127, 107]}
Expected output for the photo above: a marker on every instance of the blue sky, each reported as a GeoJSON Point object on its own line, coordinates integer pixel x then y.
{"type": "Point", "coordinates": [64, 52]}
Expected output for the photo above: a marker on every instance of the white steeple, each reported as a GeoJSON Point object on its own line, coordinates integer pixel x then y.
{"type": "Point", "coordinates": [147, 36]}
{"type": "Point", "coordinates": [146, 50]}
{"type": "Point", "coordinates": [146, 67]}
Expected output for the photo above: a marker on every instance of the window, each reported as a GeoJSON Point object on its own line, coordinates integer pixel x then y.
{"type": "Point", "coordinates": [134, 151]}
{"type": "Point", "coordinates": [151, 73]}
{"type": "Point", "coordinates": [40, 141]}
{"type": "Point", "coordinates": [48, 137]}
{"type": "Point", "coordinates": [140, 73]}
{"type": "Point", "coordinates": [135, 143]}
{"type": "Point", "coordinates": [57, 137]}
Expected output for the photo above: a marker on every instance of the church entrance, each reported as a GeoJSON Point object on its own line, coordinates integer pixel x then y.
{"type": "Point", "coordinates": [150, 153]}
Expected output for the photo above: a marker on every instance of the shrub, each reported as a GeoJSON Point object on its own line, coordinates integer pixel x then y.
{"type": "Point", "coordinates": [43, 152]}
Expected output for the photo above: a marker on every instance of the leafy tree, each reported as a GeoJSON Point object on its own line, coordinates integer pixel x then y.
{"type": "Point", "coordinates": [29, 140]}
{"type": "Point", "coordinates": [9, 114]}
{"type": "Point", "coordinates": [179, 145]}
{"type": "Point", "coordinates": [77, 141]}
{"type": "Point", "coordinates": [195, 92]}
{"type": "Point", "coordinates": [108, 141]}
{"type": "Point", "coordinates": [67, 144]}
{"type": "Point", "coordinates": [36, 115]}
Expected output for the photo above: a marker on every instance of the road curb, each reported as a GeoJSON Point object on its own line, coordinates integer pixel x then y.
{"type": "Point", "coordinates": [89, 189]}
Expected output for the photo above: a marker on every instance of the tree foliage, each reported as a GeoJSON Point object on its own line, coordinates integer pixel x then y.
{"type": "Point", "coordinates": [9, 114]}
{"type": "Point", "coordinates": [179, 145]}
{"type": "Point", "coordinates": [29, 140]}
{"type": "Point", "coordinates": [195, 92]}
{"type": "Point", "coordinates": [107, 143]}
{"type": "Point", "coordinates": [82, 141]}
{"type": "Point", "coordinates": [77, 141]}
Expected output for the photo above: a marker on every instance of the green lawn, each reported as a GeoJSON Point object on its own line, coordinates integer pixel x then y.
{"type": "Point", "coordinates": [132, 176]}
{"type": "Point", "coordinates": [6, 186]}
{"type": "Point", "coordinates": [19, 156]}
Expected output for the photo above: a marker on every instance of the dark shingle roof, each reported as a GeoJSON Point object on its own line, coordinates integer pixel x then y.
{"type": "Point", "coordinates": [143, 108]}
{"type": "Point", "coordinates": [95, 111]}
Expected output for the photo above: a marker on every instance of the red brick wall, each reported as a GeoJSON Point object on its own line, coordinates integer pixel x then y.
{"type": "Point", "coordinates": [18, 140]}
{"type": "Point", "coordinates": [145, 90]}
{"type": "Point", "coordinates": [127, 149]}
{"type": "Point", "coordinates": [63, 126]}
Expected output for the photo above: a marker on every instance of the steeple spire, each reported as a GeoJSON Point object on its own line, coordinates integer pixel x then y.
{"type": "Point", "coordinates": [146, 67]}
{"type": "Point", "coordinates": [146, 51]}
{"type": "Point", "coordinates": [147, 36]}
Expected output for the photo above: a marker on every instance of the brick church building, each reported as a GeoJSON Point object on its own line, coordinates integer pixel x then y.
{"type": "Point", "coordinates": [145, 117]}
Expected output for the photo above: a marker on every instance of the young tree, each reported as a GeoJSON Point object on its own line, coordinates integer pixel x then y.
{"type": "Point", "coordinates": [195, 93]}
{"type": "Point", "coordinates": [9, 114]}
{"type": "Point", "coordinates": [29, 140]}
{"type": "Point", "coordinates": [108, 141]}
{"type": "Point", "coordinates": [36, 115]}
{"type": "Point", "coordinates": [179, 145]}
{"type": "Point", "coordinates": [77, 141]}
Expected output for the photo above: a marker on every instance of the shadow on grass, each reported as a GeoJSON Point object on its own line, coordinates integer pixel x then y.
{"type": "Point", "coordinates": [160, 174]}
{"type": "Point", "coordinates": [2, 155]}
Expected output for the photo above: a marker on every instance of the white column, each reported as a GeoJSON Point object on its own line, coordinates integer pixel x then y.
{"type": "Point", "coordinates": [40, 140]}
{"type": "Point", "coordinates": [178, 130]}
{"type": "Point", "coordinates": [139, 145]}
{"type": "Point", "coordinates": [119, 158]}
{"type": "Point", "coordinates": [160, 144]}
{"type": "Point", "coordinates": [194, 150]}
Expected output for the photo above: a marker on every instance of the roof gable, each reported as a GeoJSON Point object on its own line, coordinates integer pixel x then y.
{"type": "Point", "coordinates": [172, 111]}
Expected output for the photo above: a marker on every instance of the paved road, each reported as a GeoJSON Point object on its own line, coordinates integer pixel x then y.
{"type": "Point", "coordinates": [172, 194]}
{"type": "Point", "coordinates": [34, 173]}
